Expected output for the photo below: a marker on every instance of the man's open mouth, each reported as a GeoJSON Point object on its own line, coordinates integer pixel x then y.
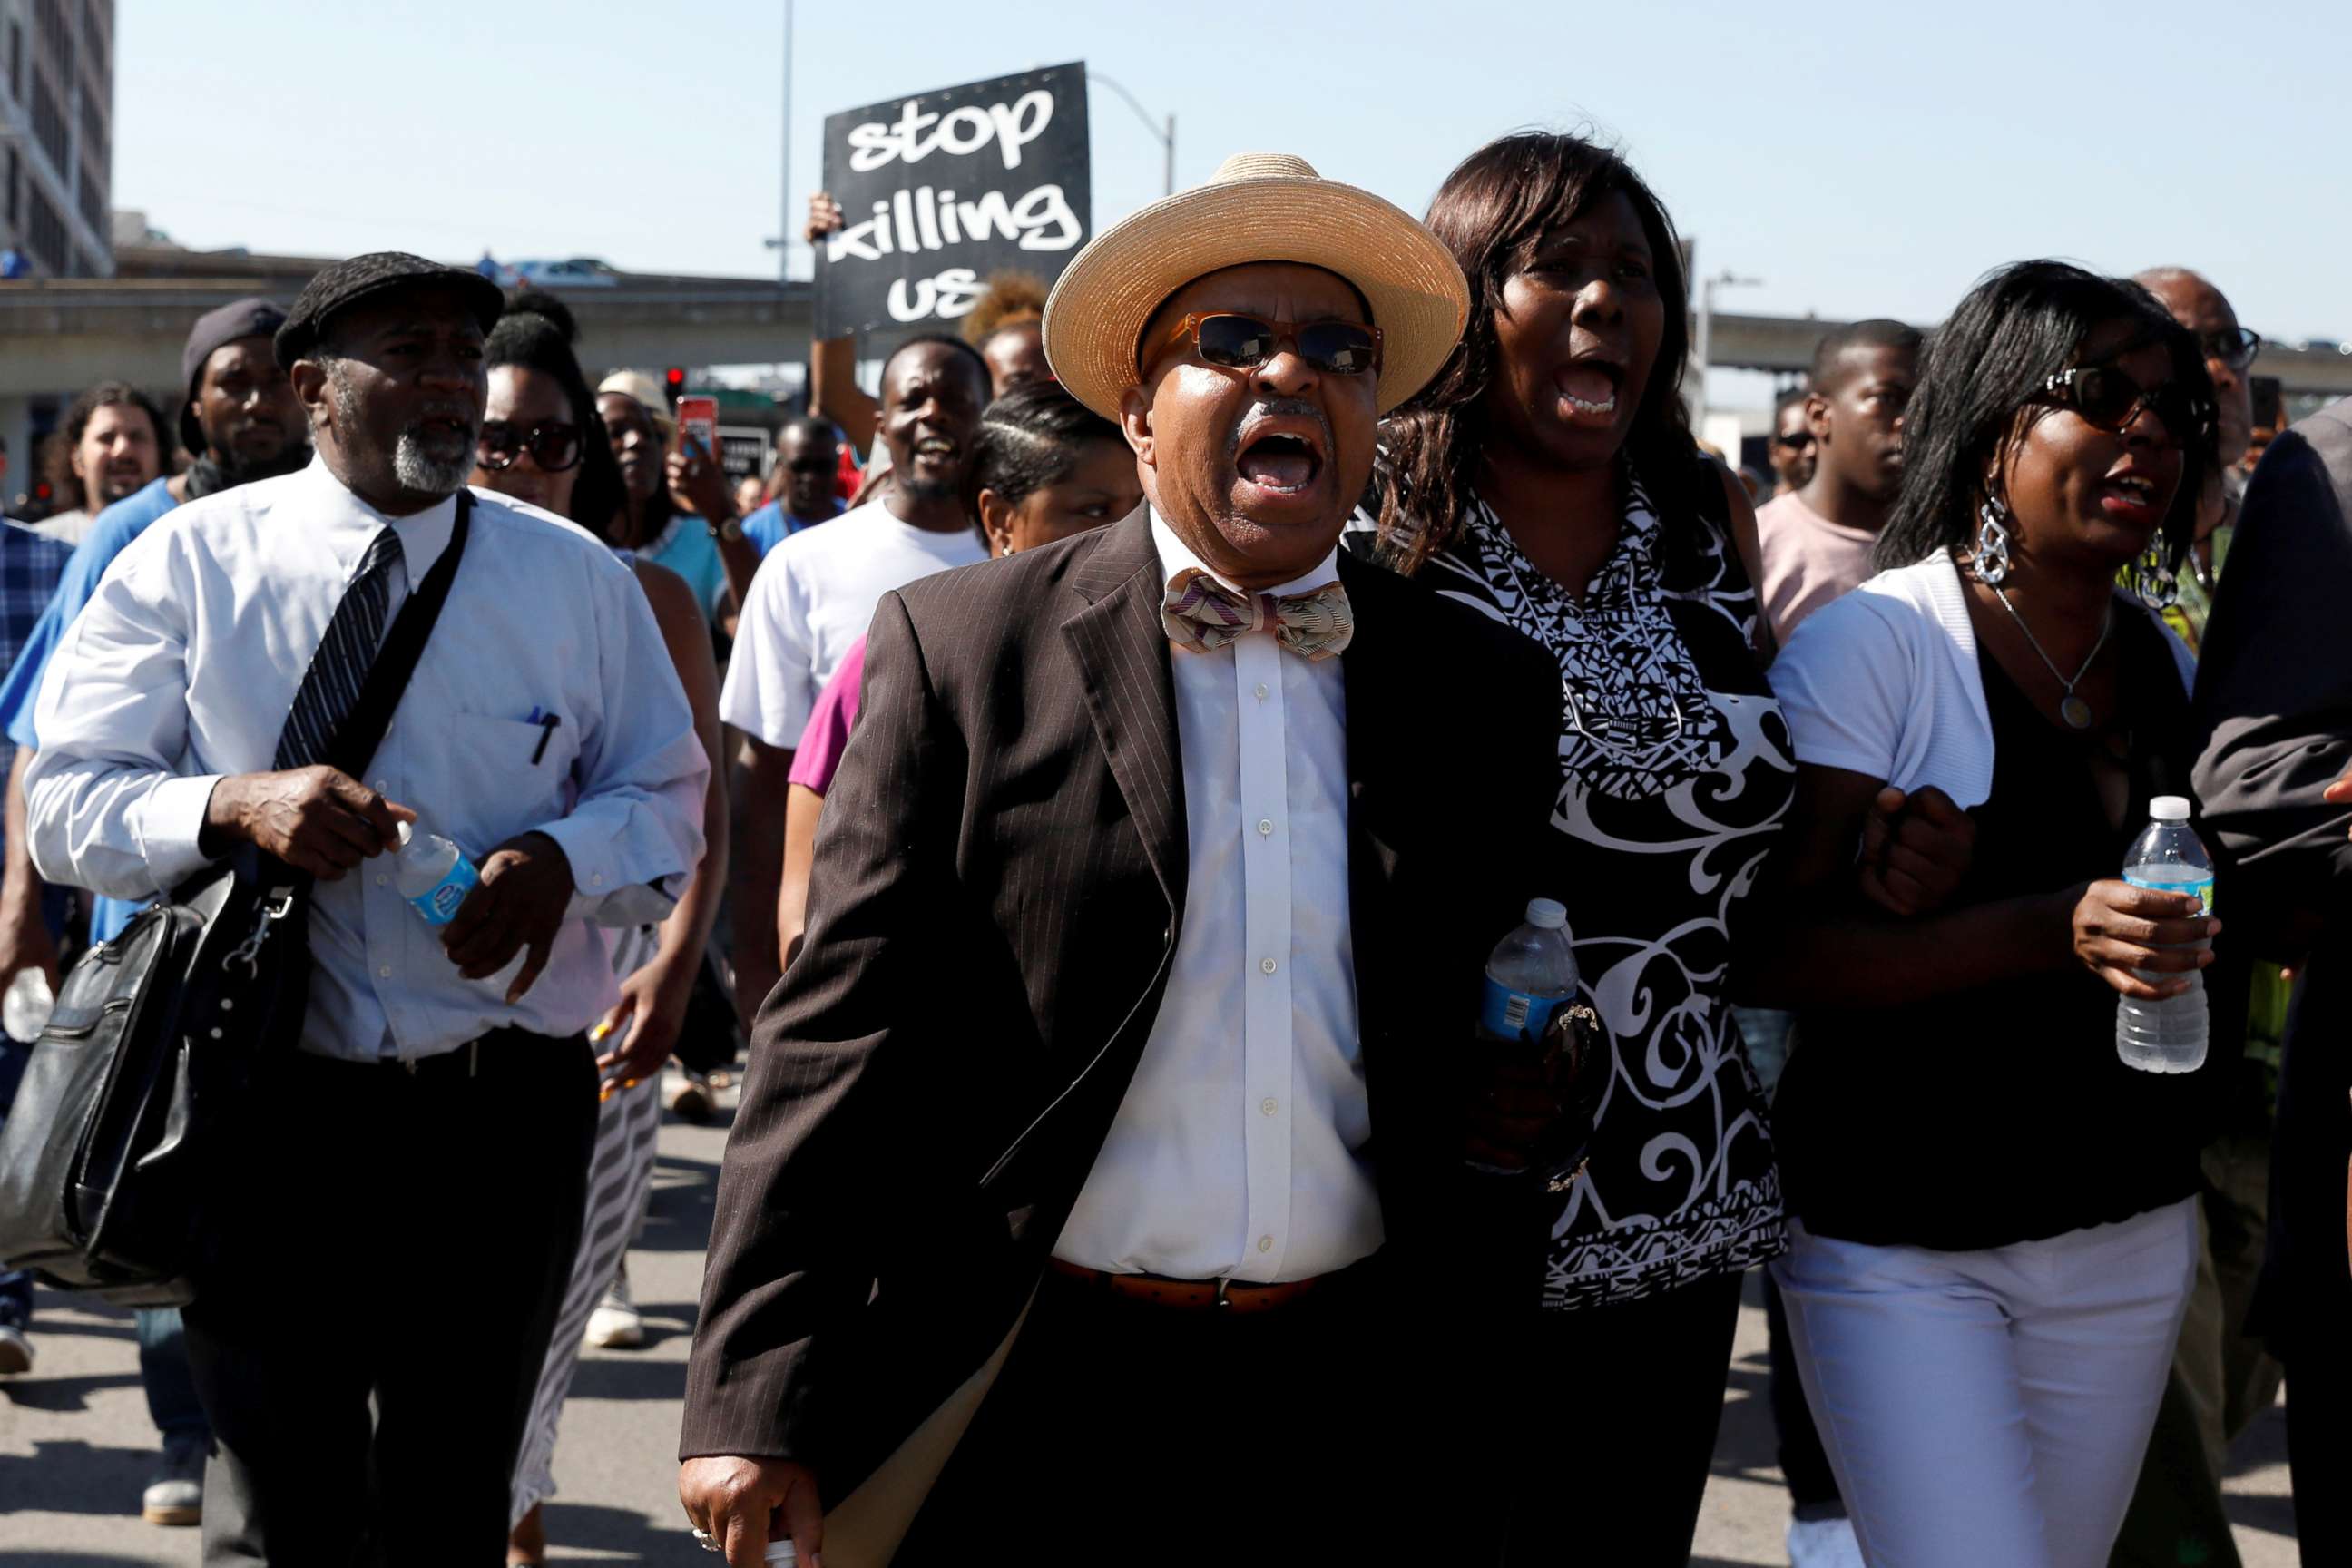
{"type": "Point", "coordinates": [1285, 454]}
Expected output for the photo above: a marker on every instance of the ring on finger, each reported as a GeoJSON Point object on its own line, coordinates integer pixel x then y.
{"type": "Point", "coordinates": [708, 1541]}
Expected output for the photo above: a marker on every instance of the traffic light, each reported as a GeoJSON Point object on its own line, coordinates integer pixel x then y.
{"type": "Point", "coordinates": [674, 383]}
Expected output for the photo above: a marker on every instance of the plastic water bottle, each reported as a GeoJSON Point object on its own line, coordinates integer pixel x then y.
{"type": "Point", "coordinates": [433, 875]}
{"type": "Point", "coordinates": [1530, 977]}
{"type": "Point", "coordinates": [25, 1008]}
{"type": "Point", "coordinates": [2167, 1036]}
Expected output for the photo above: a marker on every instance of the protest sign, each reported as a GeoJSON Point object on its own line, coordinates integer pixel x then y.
{"type": "Point", "coordinates": [940, 190]}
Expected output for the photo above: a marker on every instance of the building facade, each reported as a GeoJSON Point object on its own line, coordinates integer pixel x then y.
{"type": "Point", "coordinates": [57, 134]}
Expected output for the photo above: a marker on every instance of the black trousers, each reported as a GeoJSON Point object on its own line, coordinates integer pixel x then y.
{"type": "Point", "coordinates": [1123, 1432]}
{"type": "Point", "coordinates": [1624, 1404]}
{"type": "Point", "coordinates": [2319, 1444]}
{"type": "Point", "coordinates": [387, 1254]}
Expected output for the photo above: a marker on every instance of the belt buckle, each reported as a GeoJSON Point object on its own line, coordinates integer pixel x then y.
{"type": "Point", "coordinates": [1224, 1284]}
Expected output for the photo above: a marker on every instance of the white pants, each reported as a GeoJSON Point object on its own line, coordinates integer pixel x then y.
{"type": "Point", "coordinates": [1990, 1407]}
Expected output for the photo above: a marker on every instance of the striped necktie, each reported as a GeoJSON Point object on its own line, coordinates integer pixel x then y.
{"type": "Point", "coordinates": [330, 687]}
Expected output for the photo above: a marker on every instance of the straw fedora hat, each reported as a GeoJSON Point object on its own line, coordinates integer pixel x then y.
{"type": "Point", "coordinates": [1257, 207]}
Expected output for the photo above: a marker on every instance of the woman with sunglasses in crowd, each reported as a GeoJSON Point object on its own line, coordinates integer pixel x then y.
{"type": "Point", "coordinates": [1044, 467]}
{"type": "Point", "coordinates": [1547, 477]}
{"type": "Point", "coordinates": [541, 443]}
{"type": "Point", "coordinates": [1992, 1231]}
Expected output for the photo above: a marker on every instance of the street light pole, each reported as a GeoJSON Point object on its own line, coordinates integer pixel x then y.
{"type": "Point", "coordinates": [1704, 346]}
{"type": "Point", "coordinates": [784, 175]}
{"type": "Point", "coordinates": [1167, 137]}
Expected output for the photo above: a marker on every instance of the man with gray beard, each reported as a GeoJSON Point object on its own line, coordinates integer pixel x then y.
{"type": "Point", "coordinates": [429, 1112]}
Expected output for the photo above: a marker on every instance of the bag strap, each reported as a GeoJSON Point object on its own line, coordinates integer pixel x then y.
{"type": "Point", "coordinates": [363, 729]}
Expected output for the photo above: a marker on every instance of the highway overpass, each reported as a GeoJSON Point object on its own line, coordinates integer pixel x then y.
{"type": "Point", "coordinates": [59, 335]}
{"type": "Point", "coordinates": [1785, 345]}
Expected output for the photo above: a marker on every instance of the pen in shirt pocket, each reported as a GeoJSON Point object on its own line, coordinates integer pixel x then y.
{"type": "Point", "coordinates": [547, 723]}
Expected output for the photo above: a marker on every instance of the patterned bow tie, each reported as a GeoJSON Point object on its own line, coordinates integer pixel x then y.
{"type": "Point", "coordinates": [1203, 615]}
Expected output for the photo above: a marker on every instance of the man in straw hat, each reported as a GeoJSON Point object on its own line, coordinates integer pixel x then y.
{"type": "Point", "coordinates": [1138, 909]}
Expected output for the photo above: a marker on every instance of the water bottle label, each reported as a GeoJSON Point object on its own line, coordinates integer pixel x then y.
{"type": "Point", "coordinates": [1509, 1015]}
{"type": "Point", "coordinates": [2202, 889]}
{"type": "Point", "coordinates": [439, 904]}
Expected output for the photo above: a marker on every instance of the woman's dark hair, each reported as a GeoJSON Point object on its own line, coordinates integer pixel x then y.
{"type": "Point", "coordinates": [1980, 379]}
{"type": "Point", "coordinates": [537, 334]}
{"type": "Point", "coordinates": [1493, 211]}
{"type": "Point", "coordinates": [1029, 439]}
{"type": "Point", "coordinates": [79, 414]}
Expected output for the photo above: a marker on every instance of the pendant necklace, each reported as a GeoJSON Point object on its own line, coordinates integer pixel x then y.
{"type": "Point", "coordinates": [2071, 707]}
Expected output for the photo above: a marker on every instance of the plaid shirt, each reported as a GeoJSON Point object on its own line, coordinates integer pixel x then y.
{"type": "Point", "coordinates": [30, 566]}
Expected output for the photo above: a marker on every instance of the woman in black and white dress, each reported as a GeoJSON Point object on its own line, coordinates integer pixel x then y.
{"type": "Point", "coordinates": [1547, 479]}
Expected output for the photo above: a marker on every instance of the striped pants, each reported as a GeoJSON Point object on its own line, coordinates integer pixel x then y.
{"type": "Point", "coordinates": [620, 1182]}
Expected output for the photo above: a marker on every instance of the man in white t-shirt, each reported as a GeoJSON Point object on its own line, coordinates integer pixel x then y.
{"type": "Point", "coordinates": [814, 596]}
{"type": "Point", "coordinates": [1817, 541]}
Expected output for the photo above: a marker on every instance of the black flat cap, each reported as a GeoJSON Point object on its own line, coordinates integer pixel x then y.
{"type": "Point", "coordinates": [346, 283]}
{"type": "Point", "coordinates": [213, 330]}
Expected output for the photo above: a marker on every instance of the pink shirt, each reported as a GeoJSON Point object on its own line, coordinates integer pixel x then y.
{"type": "Point", "coordinates": [1808, 560]}
{"type": "Point", "coordinates": [818, 756]}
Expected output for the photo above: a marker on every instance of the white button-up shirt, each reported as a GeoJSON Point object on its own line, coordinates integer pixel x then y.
{"type": "Point", "coordinates": [185, 663]}
{"type": "Point", "coordinates": [1238, 1151]}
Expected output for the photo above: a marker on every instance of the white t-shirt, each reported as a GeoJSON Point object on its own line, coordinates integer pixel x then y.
{"type": "Point", "coordinates": [814, 596]}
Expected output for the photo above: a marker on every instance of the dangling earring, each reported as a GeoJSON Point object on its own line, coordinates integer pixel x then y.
{"type": "Point", "coordinates": [2153, 578]}
{"type": "Point", "coordinates": [1991, 558]}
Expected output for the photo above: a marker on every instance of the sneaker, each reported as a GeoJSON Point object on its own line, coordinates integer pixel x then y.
{"type": "Point", "coordinates": [176, 1495]}
{"type": "Point", "coordinates": [617, 1325]}
{"type": "Point", "coordinates": [1823, 1544]}
{"type": "Point", "coordinates": [16, 1351]}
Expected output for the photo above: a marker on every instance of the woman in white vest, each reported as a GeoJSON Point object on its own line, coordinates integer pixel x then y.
{"type": "Point", "coordinates": [1991, 1223]}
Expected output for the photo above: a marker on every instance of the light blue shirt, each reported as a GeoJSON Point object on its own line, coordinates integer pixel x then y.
{"type": "Point", "coordinates": [110, 532]}
{"type": "Point", "coordinates": [182, 667]}
{"type": "Point", "coordinates": [686, 548]}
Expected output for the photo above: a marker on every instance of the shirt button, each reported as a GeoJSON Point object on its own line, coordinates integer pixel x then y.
{"type": "Point", "coordinates": [1265, 827]}
{"type": "Point", "coordinates": [382, 786]}
{"type": "Point", "coordinates": [1265, 1243]}
{"type": "Point", "coordinates": [1267, 1105]}
{"type": "Point", "coordinates": [1261, 691]}
{"type": "Point", "coordinates": [385, 972]}
{"type": "Point", "coordinates": [382, 881]}
{"type": "Point", "coordinates": [1266, 967]}
{"type": "Point", "coordinates": [596, 880]}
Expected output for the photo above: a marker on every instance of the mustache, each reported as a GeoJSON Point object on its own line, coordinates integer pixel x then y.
{"type": "Point", "coordinates": [1276, 408]}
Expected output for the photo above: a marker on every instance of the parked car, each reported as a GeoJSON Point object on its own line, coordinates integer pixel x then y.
{"type": "Point", "coordinates": [579, 272]}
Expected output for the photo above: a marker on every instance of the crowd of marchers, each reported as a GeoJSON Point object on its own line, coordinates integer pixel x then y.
{"type": "Point", "coordinates": [1068, 803]}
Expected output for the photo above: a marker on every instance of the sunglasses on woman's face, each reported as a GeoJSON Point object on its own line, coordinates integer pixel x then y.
{"type": "Point", "coordinates": [2107, 399]}
{"type": "Point", "coordinates": [553, 445]}
{"type": "Point", "coordinates": [1795, 440]}
{"type": "Point", "coordinates": [1232, 342]}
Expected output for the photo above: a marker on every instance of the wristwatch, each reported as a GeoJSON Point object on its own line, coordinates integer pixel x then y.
{"type": "Point", "coordinates": [727, 529]}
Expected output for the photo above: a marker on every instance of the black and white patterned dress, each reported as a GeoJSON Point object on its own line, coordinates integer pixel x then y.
{"type": "Point", "coordinates": [1675, 771]}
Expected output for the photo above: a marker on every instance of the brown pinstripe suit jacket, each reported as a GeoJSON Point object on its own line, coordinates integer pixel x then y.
{"type": "Point", "coordinates": [1000, 875]}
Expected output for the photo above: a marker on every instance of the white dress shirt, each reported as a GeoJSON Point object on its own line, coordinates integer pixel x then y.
{"type": "Point", "coordinates": [814, 596]}
{"type": "Point", "coordinates": [1238, 1151]}
{"type": "Point", "coordinates": [185, 663]}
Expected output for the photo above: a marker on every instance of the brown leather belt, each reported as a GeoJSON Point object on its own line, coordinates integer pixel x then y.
{"type": "Point", "coordinates": [1188, 1295]}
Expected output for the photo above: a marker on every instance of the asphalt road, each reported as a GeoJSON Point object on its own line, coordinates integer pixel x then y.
{"type": "Point", "coordinates": [76, 1444]}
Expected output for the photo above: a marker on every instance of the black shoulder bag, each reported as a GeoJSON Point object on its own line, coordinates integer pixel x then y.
{"type": "Point", "coordinates": [102, 1173]}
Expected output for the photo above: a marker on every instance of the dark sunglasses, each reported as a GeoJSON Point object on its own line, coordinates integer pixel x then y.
{"type": "Point", "coordinates": [1794, 440]}
{"type": "Point", "coordinates": [1244, 342]}
{"type": "Point", "coordinates": [2235, 348]}
{"type": "Point", "coordinates": [813, 466]}
{"type": "Point", "coordinates": [2109, 400]}
{"type": "Point", "coordinates": [553, 445]}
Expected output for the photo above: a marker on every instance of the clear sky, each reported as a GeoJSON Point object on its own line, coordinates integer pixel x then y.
{"type": "Point", "coordinates": [1859, 158]}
